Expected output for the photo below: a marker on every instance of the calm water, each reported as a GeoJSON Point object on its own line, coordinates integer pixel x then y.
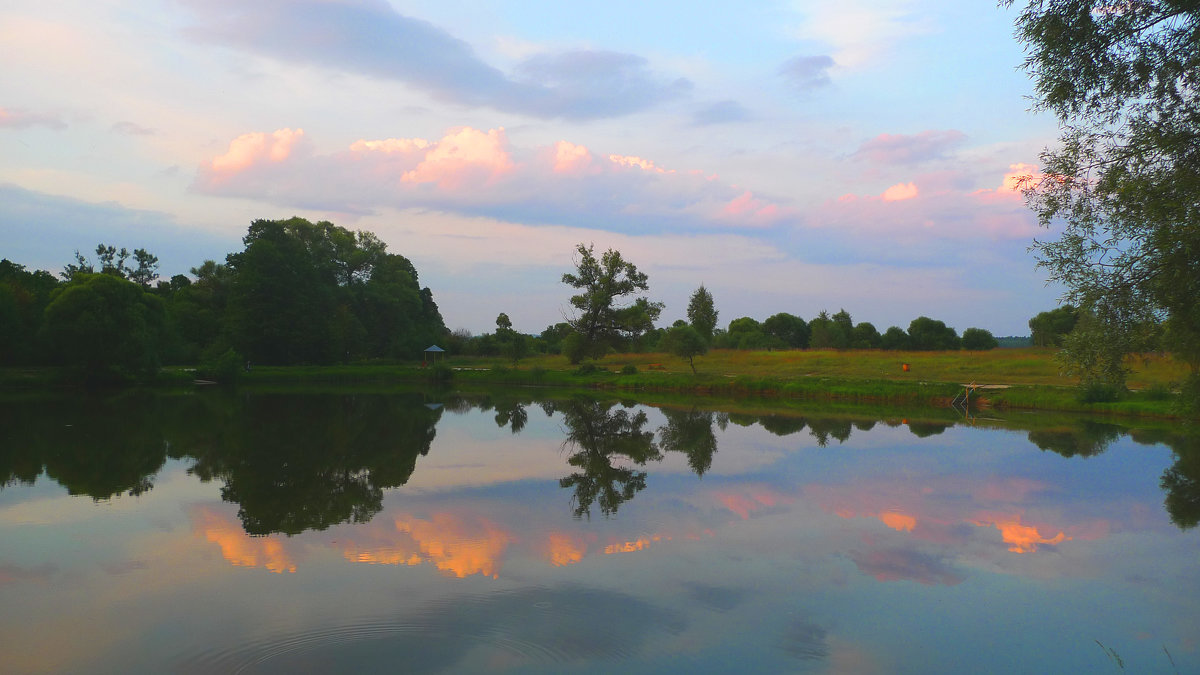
{"type": "Point", "coordinates": [445, 533]}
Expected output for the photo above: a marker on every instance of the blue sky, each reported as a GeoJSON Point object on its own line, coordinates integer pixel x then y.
{"type": "Point", "coordinates": [791, 156]}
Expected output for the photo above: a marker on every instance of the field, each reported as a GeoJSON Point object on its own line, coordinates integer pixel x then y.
{"type": "Point", "coordinates": [1028, 366]}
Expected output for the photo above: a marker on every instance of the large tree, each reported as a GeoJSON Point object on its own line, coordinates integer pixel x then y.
{"type": "Point", "coordinates": [101, 322]}
{"type": "Point", "coordinates": [1124, 80]}
{"type": "Point", "coordinates": [600, 320]}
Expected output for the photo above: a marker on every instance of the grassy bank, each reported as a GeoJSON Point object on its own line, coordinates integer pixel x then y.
{"type": "Point", "coordinates": [1009, 378]}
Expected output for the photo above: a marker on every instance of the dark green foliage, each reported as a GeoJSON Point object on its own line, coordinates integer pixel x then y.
{"type": "Point", "coordinates": [689, 432]}
{"type": "Point", "coordinates": [101, 322]}
{"type": "Point", "coordinates": [925, 334]}
{"type": "Point", "coordinates": [597, 436]}
{"type": "Point", "coordinates": [826, 333]}
{"type": "Point", "coordinates": [1047, 329]}
{"type": "Point", "coordinates": [894, 338]}
{"type": "Point", "coordinates": [629, 369]}
{"type": "Point", "coordinates": [225, 368]}
{"type": "Point", "coordinates": [791, 330]}
{"type": "Point", "coordinates": [978, 339]}
{"type": "Point", "coordinates": [1100, 392]}
{"type": "Point", "coordinates": [686, 343]}
{"type": "Point", "coordinates": [600, 322]}
{"type": "Point", "coordinates": [1182, 482]}
{"type": "Point", "coordinates": [589, 369]}
{"type": "Point", "coordinates": [318, 293]}
{"type": "Point", "coordinates": [1125, 181]}
{"type": "Point", "coordinates": [865, 336]}
{"type": "Point", "coordinates": [702, 314]}
{"type": "Point", "coordinates": [23, 299]}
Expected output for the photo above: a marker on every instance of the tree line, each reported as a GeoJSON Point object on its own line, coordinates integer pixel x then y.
{"type": "Point", "coordinates": [298, 293]}
{"type": "Point", "coordinates": [610, 312]}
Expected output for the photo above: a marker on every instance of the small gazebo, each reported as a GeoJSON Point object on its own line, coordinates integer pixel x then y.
{"type": "Point", "coordinates": [432, 352]}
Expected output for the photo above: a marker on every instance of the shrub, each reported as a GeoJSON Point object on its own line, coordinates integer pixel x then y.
{"type": "Point", "coordinates": [439, 372]}
{"type": "Point", "coordinates": [629, 369]}
{"type": "Point", "coordinates": [224, 368]}
{"type": "Point", "coordinates": [1099, 392]}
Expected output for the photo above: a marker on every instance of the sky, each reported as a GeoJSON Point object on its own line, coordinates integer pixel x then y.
{"type": "Point", "coordinates": [791, 156]}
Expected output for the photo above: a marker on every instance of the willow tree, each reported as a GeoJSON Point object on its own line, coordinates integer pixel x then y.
{"type": "Point", "coordinates": [1124, 80]}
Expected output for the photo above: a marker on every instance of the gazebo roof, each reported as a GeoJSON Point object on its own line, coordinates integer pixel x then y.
{"type": "Point", "coordinates": [434, 348]}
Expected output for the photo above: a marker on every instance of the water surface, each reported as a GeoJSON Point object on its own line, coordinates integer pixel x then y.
{"type": "Point", "coordinates": [450, 533]}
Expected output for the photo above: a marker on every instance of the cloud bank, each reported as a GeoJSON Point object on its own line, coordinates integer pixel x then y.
{"type": "Point", "coordinates": [368, 37]}
{"type": "Point", "coordinates": [479, 173]}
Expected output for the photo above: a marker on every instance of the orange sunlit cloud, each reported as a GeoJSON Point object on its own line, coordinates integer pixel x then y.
{"type": "Point", "coordinates": [571, 158]}
{"type": "Point", "coordinates": [638, 163]}
{"type": "Point", "coordinates": [639, 544]}
{"type": "Point", "coordinates": [458, 546]}
{"type": "Point", "coordinates": [463, 155]}
{"type": "Point", "coordinates": [900, 192]}
{"type": "Point", "coordinates": [240, 548]}
{"type": "Point", "coordinates": [253, 148]}
{"type": "Point", "coordinates": [565, 549]}
{"type": "Point", "coordinates": [898, 521]}
{"type": "Point", "coordinates": [1020, 538]}
{"type": "Point", "coordinates": [901, 522]}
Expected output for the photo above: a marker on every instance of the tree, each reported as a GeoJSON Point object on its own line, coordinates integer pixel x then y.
{"type": "Point", "coordinates": [702, 314]}
{"type": "Point", "coordinates": [894, 338]}
{"type": "Point", "coordinates": [1048, 328]}
{"type": "Point", "coordinates": [599, 321]}
{"type": "Point", "coordinates": [865, 336]}
{"type": "Point", "coordinates": [790, 329]}
{"type": "Point", "coordinates": [827, 332]}
{"type": "Point", "coordinates": [146, 270]}
{"type": "Point", "coordinates": [1125, 182]}
{"type": "Point", "coordinates": [926, 334]}
{"type": "Point", "coordinates": [978, 340]}
{"type": "Point", "coordinates": [305, 292]}
{"type": "Point", "coordinates": [685, 342]}
{"type": "Point", "coordinates": [102, 322]}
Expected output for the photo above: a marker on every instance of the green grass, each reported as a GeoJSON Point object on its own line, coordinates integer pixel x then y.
{"type": "Point", "coordinates": [858, 377]}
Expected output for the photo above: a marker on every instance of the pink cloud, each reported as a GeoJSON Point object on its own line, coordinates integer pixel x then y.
{"type": "Point", "coordinates": [254, 148]}
{"type": "Point", "coordinates": [942, 204]}
{"type": "Point", "coordinates": [570, 158]}
{"type": "Point", "coordinates": [632, 161]}
{"type": "Point", "coordinates": [1015, 179]}
{"type": "Point", "coordinates": [900, 192]}
{"type": "Point", "coordinates": [465, 155]}
{"type": "Point", "coordinates": [476, 173]}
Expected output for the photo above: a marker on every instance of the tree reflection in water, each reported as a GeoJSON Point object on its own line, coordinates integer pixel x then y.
{"type": "Point", "coordinates": [599, 435]}
{"type": "Point", "coordinates": [298, 462]}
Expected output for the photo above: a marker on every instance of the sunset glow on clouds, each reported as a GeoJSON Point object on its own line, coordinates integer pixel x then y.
{"type": "Point", "coordinates": [240, 548]}
{"type": "Point", "coordinates": [825, 145]}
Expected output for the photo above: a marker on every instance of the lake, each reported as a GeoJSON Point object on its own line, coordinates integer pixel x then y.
{"type": "Point", "coordinates": [532, 532]}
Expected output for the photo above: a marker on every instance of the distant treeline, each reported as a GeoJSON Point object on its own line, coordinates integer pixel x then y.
{"type": "Point", "coordinates": [779, 331]}
{"type": "Point", "coordinates": [299, 292]}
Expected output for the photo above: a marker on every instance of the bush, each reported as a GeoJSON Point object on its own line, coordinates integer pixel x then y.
{"type": "Point", "coordinates": [588, 369]}
{"type": "Point", "coordinates": [439, 372]}
{"type": "Point", "coordinates": [1157, 392]}
{"type": "Point", "coordinates": [224, 368]}
{"type": "Point", "coordinates": [629, 369]}
{"type": "Point", "coordinates": [1100, 392]}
